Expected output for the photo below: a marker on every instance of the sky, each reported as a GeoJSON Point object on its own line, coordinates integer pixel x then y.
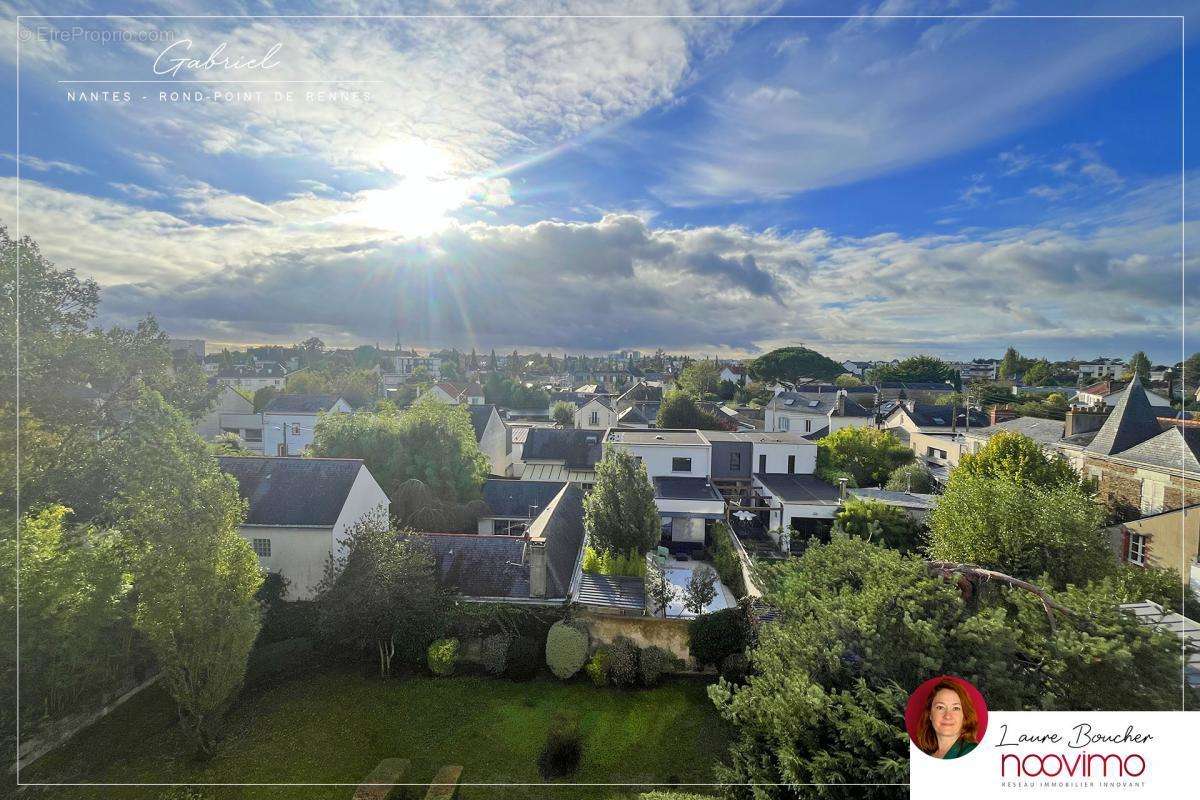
{"type": "Point", "coordinates": [709, 177]}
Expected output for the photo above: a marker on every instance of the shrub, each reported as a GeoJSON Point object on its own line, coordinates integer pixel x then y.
{"type": "Point", "coordinates": [714, 636]}
{"type": "Point", "coordinates": [493, 652]}
{"type": "Point", "coordinates": [653, 662]}
{"type": "Point", "coordinates": [524, 658]}
{"type": "Point", "coordinates": [563, 749]}
{"type": "Point", "coordinates": [598, 667]}
{"type": "Point", "coordinates": [283, 621]}
{"type": "Point", "coordinates": [725, 558]}
{"type": "Point", "coordinates": [913, 477]}
{"type": "Point", "coordinates": [623, 663]}
{"type": "Point", "coordinates": [735, 667]}
{"type": "Point", "coordinates": [441, 656]}
{"type": "Point", "coordinates": [274, 660]}
{"type": "Point", "coordinates": [608, 562]}
{"type": "Point", "coordinates": [566, 648]}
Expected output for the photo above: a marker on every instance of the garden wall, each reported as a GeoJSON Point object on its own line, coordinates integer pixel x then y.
{"type": "Point", "coordinates": [669, 634]}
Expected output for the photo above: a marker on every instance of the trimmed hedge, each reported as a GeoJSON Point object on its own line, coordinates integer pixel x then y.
{"type": "Point", "coordinates": [654, 662]}
{"type": "Point", "coordinates": [566, 648]}
{"type": "Point", "coordinates": [524, 658]}
{"type": "Point", "coordinates": [598, 667]}
{"type": "Point", "coordinates": [623, 663]}
{"type": "Point", "coordinates": [493, 652]}
{"type": "Point", "coordinates": [441, 656]}
{"type": "Point", "coordinates": [712, 637]}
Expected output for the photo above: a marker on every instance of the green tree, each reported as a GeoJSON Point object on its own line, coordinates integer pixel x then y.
{"type": "Point", "coordinates": [382, 591]}
{"type": "Point", "coordinates": [701, 589]}
{"type": "Point", "coordinates": [679, 410]}
{"type": "Point", "coordinates": [1038, 374]}
{"type": "Point", "coordinates": [911, 478]}
{"type": "Point", "coordinates": [375, 438]}
{"type": "Point", "coordinates": [1014, 456]}
{"type": "Point", "coordinates": [700, 378]}
{"type": "Point", "coordinates": [263, 398]}
{"type": "Point", "coordinates": [563, 413]}
{"type": "Point", "coordinates": [789, 363]}
{"type": "Point", "coordinates": [438, 448]}
{"type": "Point", "coordinates": [619, 513]}
{"type": "Point", "coordinates": [1191, 372]}
{"type": "Point", "coordinates": [879, 522]}
{"type": "Point", "coordinates": [847, 381]}
{"type": "Point", "coordinates": [918, 369]}
{"type": "Point", "coordinates": [1010, 365]}
{"type": "Point", "coordinates": [868, 454]}
{"type": "Point", "coordinates": [196, 578]}
{"type": "Point", "coordinates": [309, 382]}
{"type": "Point", "coordinates": [1139, 365]}
{"type": "Point", "coordinates": [1020, 528]}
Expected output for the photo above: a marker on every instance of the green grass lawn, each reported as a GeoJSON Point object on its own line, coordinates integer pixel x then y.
{"type": "Point", "coordinates": [334, 726]}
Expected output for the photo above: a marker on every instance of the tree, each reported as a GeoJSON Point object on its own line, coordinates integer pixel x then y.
{"type": "Point", "coordinates": [308, 382]}
{"type": "Point", "coordinates": [1038, 374]}
{"type": "Point", "coordinates": [859, 626]}
{"type": "Point", "coordinates": [701, 589]}
{"type": "Point", "coordinates": [658, 588]}
{"type": "Point", "coordinates": [1010, 365]}
{"type": "Point", "coordinates": [563, 413]}
{"type": "Point", "coordinates": [1139, 366]}
{"type": "Point", "coordinates": [679, 410]}
{"type": "Point", "coordinates": [1191, 372]}
{"type": "Point", "coordinates": [868, 454]}
{"type": "Point", "coordinates": [382, 591]}
{"type": "Point", "coordinates": [438, 448]}
{"type": "Point", "coordinates": [196, 578]}
{"type": "Point", "coordinates": [619, 513]}
{"type": "Point", "coordinates": [847, 381]}
{"type": "Point", "coordinates": [879, 522]}
{"type": "Point", "coordinates": [918, 369]}
{"type": "Point", "coordinates": [1014, 456]}
{"type": "Point", "coordinates": [700, 378]}
{"type": "Point", "coordinates": [1021, 528]}
{"type": "Point", "coordinates": [375, 438]}
{"type": "Point", "coordinates": [263, 398]}
{"type": "Point", "coordinates": [789, 363]}
{"type": "Point", "coordinates": [911, 478]}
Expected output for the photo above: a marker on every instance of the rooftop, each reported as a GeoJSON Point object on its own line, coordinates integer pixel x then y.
{"type": "Point", "coordinates": [481, 566]}
{"type": "Point", "coordinates": [1131, 422]}
{"type": "Point", "coordinates": [792, 488]}
{"type": "Point", "coordinates": [757, 437]}
{"type": "Point", "coordinates": [657, 436]}
{"type": "Point", "coordinates": [515, 499]}
{"type": "Point", "coordinates": [292, 491]}
{"type": "Point", "coordinates": [1043, 431]}
{"type": "Point", "coordinates": [301, 403]}
{"type": "Point", "coordinates": [671, 488]}
{"type": "Point", "coordinates": [575, 448]}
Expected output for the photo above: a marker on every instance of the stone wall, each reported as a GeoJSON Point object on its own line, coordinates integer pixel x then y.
{"type": "Point", "coordinates": [669, 634]}
{"type": "Point", "coordinates": [1121, 485]}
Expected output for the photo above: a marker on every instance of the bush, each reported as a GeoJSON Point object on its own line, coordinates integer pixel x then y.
{"type": "Point", "coordinates": [441, 656]}
{"type": "Point", "coordinates": [714, 636]}
{"type": "Point", "coordinates": [493, 652]}
{"type": "Point", "coordinates": [725, 558]}
{"type": "Point", "coordinates": [623, 663]}
{"type": "Point", "coordinates": [563, 749]}
{"type": "Point", "coordinates": [913, 477]}
{"type": "Point", "coordinates": [653, 662]}
{"type": "Point", "coordinates": [283, 621]}
{"type": "Point", "coordinates": [566, 648]}
{"type": "Point", "coordinates": [608, 562]}
{"type": "Point", "coordinates": [598, 667]}
{"type": "Point", "coordinates": [524, 658]}
{"type": "Point", "coordinates": [735, 667]}
{"type": "Point", "coordinates": [275, 660]}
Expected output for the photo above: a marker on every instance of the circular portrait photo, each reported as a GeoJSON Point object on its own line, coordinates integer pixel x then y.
{"type": "Point", "coordinates": [946, 717]}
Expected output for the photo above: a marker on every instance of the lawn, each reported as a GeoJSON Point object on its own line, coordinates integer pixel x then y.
{"type": "Point", "coordinates": [334, 726]}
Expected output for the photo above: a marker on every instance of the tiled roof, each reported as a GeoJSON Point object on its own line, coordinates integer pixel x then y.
{"type": "Point", "coordinates": [293, 491]}
{"type": "Point", "coordinates": [1131, 422]}
{"type": "Point", "coordinates": [481, 566]}
{"type": "Point", "coordinates": [574, 447]}
{"type": "Point", "coordinates": [927, 415]}
{"type": "Point", "coordinates": [631, 416]}
{"type": "Point", "coordinates": [512, 498]}
{"type": "Point", "coordinates": [561, 525]}
{"type": "Point", "coordinates": [301, 403]}
{"type": "Point", "coordinates": [799, 488]}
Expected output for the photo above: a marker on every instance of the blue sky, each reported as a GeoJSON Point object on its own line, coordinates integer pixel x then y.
{"type": "Point", "coordinates": [869, 187]}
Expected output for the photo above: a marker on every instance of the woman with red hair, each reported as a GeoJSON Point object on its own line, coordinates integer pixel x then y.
{"type": "Point", "coordinates": [949, 727]}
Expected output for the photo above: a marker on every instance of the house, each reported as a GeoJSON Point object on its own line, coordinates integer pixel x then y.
{"type": "Point", "coordinates": [736, 455]}
{"type": "Point", "coordinates": [511, 504]}
{"type": "Point", "coordinates": [917, 505]}
{"type": "Point", "coordinates": [492, 436]}
{"type": "Point", "coordinates": [1102, 368]}
{"type": "Point", "coordinates": [538, 567]}
{"type": "Point", "coordinates": [595, 413]}
{"type": "Point", "coordinates": [688, 507]}
{"type": "Point", "coordinates": [1142, 464]}
{"type": "Point", "coordinates": [810, 413]}
{"type": "Point", "coordinates": [402, 365]}
{"type": "Point", "coordinates": [456, 393]}
{"type": "Point", "coordinates": [734, 373]}
{"type": "Point", "coordinates": [935, 433]}
{"type": "Point", "coordinates": [980, 369]}
{"type": "Point", "coordinates": [290, 421]}
{"type": "Point", "coordinates": [251, 378]}
{"type": "Point", "coordinates": [1166, 539]}
{"type": "Point", "coordinates": [301, 511]}
{"type": "Point", "coordinates": [1109, 393]}
{"type": "Point", "coordinates": [232, 413]}
{"type": "Point", "coordinates": [804, 503]}
{"type": "Point", "coordinates": [559, 454]}
{"type": "Point", "coordinates": [186, 350]}
{"type": "Point", "coordinates": [857, 368]}
{"type": "Point", "coordinates": [632, 418]}
{"type": "Point", "coordinates": [1046, 432]}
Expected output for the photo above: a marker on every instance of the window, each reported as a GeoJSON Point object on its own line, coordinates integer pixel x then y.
{"type": "Point", "coordinates": [735, 461]}
{"type": "Point", "coordinates": [295, 429]}
{"type": "Point", "coordinates": [595, 419]}
{"type": "Point", "coordinates": [791, 464]}
{"type": "Point", "coordinates": [510, 527]}
{"type": "Point", "coordinates": [681, 465]}
{"type": "Point", "coordinates": [784, 422]}
{"type": "Point", "coordinates": [808, 426]}
{"type": "Point", "coordinates": [933, 452]}
{"type": "Point", "coordinates": [262, 547]}
{"type": "Point", "coordinates": [762, 463]}
{"type": "Point", "coordinates": [1152, 497]}
{"type": "Point", "coordinates": [252, 434]}
{"type": "Point", "coordinates": [1136, 554]}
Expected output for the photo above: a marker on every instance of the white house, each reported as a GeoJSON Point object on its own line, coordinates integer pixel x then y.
{"type": "Point", "coordinates": [290, 421]}
{"type": "Point", "coordinates": [857, 367]}
{"type": "Point", "coordinates": [815, 413]}
{"type": "Point", "coordinates": [301, 510]}
{"type": "Point", "coordinates": [596, 413]}
{"type": "Point", "coordinates": [1105, 393]}
{"type": "Point", "coordinates": [493, 437]}
{"type": "Point", "coordinates": [1103, 368]}
{"type": "Point", "coordinates": [232, 413]}
{"type": "Point", "coordinates": [251, 378]}
{"type": "Point", "coordinates": [734, 373]}
{"type": "Point", "coordinates": [456, 393]}
{"type": "Point", "coordinates": [804, 503]}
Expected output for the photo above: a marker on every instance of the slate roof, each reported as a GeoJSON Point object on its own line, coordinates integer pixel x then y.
{"type": "Point", "coordinates": [513, 499]}
{"type": "Point", "coordinates": [479, 418]}
{"type": "Point", "coordinates": [659, 436]}
{"type": "Point", "coordinates": [481, 566]}
{"type": "Point", "coordinates": [631, 416]}
{"type": "Point", "coordinates": [301, 403]}
{"type": "Point", "coordinates": [799, 488]}
{"type": "Point", "coordinates": [293, 491]}
{"type": "Point", "coordinates": [574, 447]}
{"type": "Point", "coordinates": [671, 488]}
{"type": "Point", "coordinates": [1131, 422]}
{"type": "Point", "coordinates": [927, 415]}
{"type": "Point", "coordinates": [817, 403]}
{"type": "Point", "coordinates": [1043, 431]}
{"type": "Point", "coordinates": [818, 434]}
{"type": "Point", "coordinates": [1174, 449]}
{"type": "Point", "coordinates": [274, 370]}
{"type": "Point", "coordinates": [561, 525]}
{"type": "Point", "coordinates": [923, 386]}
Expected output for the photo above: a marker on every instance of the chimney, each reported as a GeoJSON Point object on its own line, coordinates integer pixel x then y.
{"type": "Point", "coordinates": [842, 489]}
{"type": "Point", "coordinates": [1079, 421]}
{"type": "Point", "coordinates": [841, 402]}
{"type": "Point", "coordinates": [537, 567]}
{"type": "Point", "coordinates": [1000, 414]}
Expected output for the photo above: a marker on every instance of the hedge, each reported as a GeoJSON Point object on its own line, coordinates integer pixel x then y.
{"type": "Point", "coordinates": [598, 667]}
{"type": "Point", "coordinates": [524, 658]}
{"type": "Point", "coordinates": [712, 637]}
{"type": "Point", "coordinates": [623, 663]}
{"type": "Point", "coordinates": [441, 656]}
{"type": "Point", "coordinates": [654, 662]}
{"type": "Point", "coordinates": [566, 648]}
{"type": "Point", "coordinates": [493, 652]}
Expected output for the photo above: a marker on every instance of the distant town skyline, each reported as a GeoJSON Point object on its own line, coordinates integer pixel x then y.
{"type": "Point", "coordinates": [872, 187]}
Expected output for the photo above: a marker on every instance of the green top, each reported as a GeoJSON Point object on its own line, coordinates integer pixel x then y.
{"type": "Point", "coordinates": [960, 748]}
